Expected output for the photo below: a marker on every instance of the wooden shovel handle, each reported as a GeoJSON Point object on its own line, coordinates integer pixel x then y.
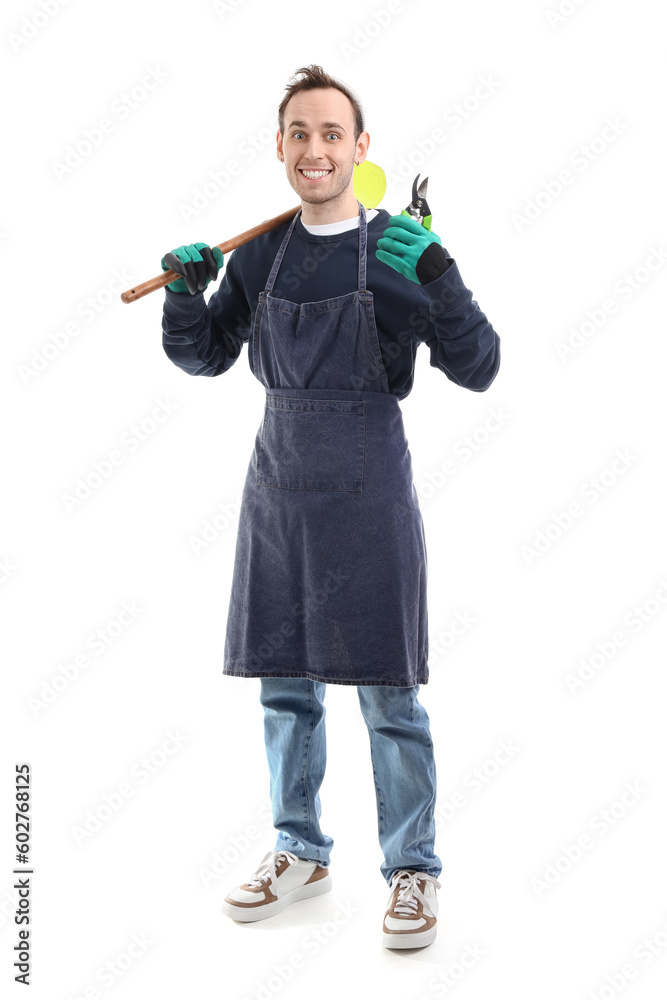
{"type": "Point", "coordinates": [132, 294]}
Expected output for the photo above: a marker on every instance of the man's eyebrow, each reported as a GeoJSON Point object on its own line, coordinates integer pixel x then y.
{"type": "Point", "coordinates": [302, 124]}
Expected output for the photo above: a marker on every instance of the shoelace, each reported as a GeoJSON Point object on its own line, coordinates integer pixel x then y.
{"type": "Point", "coordinates": [267, 868]}
{"type": "Point", "coordinates": [409, 892]}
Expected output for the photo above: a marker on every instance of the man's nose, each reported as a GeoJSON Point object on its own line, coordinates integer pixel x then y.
{"type": "Point", "coordinates": [316, 148]}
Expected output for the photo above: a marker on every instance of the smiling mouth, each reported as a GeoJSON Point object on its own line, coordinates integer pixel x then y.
{"type": "Point", "coordinates": [314, 175]}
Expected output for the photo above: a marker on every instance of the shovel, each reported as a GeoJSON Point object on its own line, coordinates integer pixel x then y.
{"type": "Point", "coordinates": [369, 183]}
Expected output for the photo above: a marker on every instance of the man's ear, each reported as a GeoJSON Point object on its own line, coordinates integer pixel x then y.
{"type": "Point", "coordinates": [363, 143]}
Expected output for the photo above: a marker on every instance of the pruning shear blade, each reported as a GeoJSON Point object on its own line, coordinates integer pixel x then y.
{"type": "Point", "coordinates": [418, 209]}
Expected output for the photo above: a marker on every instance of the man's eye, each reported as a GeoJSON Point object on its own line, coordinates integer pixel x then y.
{"type": "Point", "coordinates": [295, 135]}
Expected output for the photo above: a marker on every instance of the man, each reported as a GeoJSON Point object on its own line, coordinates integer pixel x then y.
{"type": "Point", "coordinates": [329, 582]}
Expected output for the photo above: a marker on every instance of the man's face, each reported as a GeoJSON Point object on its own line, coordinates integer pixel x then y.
{"type": "Point", "coordinates": [319, 136]}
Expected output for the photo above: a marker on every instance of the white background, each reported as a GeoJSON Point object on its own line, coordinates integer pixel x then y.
{"type": "Point", "coordinates": [65, 574]}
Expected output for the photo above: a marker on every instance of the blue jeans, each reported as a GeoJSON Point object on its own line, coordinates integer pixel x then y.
{"type": "Point", "coordinates": [403, 769]}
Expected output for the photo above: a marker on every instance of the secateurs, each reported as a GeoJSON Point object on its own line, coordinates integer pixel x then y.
{"type": "Point", "coordinates": [418, 208]}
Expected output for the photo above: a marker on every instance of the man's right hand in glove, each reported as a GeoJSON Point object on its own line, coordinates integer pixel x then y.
{"type": "Point", "coordinates": [197, 264]}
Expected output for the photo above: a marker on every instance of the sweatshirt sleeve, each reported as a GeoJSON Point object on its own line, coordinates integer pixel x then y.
{"type": "Point", "coordinates": [206, 339]}
{"type": "Point", "coordinates": [462, 342]}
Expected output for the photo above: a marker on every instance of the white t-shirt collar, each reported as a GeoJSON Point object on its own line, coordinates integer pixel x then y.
{"type": "Point", "coordinates": [330, 228]}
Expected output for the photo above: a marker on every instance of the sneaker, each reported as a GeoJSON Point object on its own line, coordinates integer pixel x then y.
{"type": "Point", "coordinates": [282, 878]}
{"type": "Point", "coordinates": [410, 919]}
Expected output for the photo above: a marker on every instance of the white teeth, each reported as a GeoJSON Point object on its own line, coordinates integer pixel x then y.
{"type": "Point", "coordinates": [312, 174]}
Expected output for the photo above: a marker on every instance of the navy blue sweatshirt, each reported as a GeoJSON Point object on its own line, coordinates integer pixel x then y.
{"type": "Point", "coordinates": [206, 338]}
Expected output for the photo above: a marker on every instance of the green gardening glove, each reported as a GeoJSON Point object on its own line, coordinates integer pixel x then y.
{"type": "Point", "coordinates": [412, 250]}
{"type": "Point", "coordinates": [197, 264]}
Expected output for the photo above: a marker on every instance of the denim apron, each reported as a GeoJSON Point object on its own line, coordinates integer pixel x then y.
{"type": "Point", "coordinates": [330, 569]}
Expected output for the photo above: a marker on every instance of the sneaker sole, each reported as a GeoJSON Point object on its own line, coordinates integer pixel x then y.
{"type": "Point", "coordinates": [419, 940]}
{"type": "Point", "coordinates": [247, 914]}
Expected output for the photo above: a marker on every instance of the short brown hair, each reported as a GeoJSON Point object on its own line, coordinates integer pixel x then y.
{"type": "Point", "coordinates": [316, 77]}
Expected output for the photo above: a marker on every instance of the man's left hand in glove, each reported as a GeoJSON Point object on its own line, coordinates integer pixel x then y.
{"type": "Point", "coordinates": [196, 263]}
{"type": "Point", "coordinates": [412, 250]}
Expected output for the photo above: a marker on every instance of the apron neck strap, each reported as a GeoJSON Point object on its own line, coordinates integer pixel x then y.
{"type": "Point", "coordinates": [271, 280]}
{"type": "Point", "coordinates": [362, 247]}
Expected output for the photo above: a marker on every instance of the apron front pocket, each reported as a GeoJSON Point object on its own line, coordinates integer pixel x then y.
{"type": "Point", "coordinates": [312, 444]}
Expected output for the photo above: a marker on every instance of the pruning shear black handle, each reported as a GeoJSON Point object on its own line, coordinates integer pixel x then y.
{"type": "Point", "coordinates": [418, 208]}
